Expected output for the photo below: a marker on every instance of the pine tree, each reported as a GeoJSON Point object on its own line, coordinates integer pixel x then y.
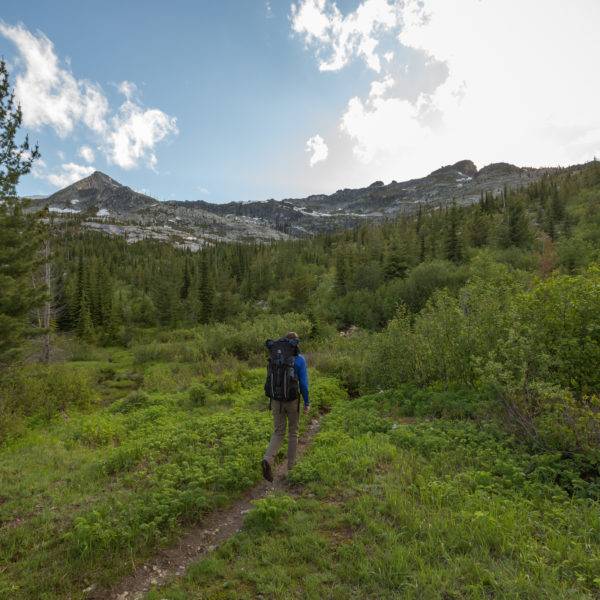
{"type": "Point", "coordinates": [85, 325]}
{"type": "Point", "coordinates": [341, 274]}
{"type": "Point", "coordinates": [478, 228]}
{"type": "Point", "coordinates": [557, 206]}
{"type": "Point", "coordinates": [166, 301]}
{"type": "Point", "coordinates": [422, 248]}
{"type": "Point", "coordinates": [517, 225]}
{"type": "Point", "coordinates": [397, 261]}
{"type": "Point", "coordinates": [206, 291]}
{"type": "Point", "coordinates": [453, 243]}
{"type": "Point", "coordinates": [187, 281]}
{"type": "Point", "coordinates": [20, 239]}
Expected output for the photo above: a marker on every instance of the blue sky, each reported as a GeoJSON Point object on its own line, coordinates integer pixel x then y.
{"type": "Point", "coordinates": [248, 99]}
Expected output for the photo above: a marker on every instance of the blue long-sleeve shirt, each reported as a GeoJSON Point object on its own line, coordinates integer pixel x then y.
{"type": "Point", "coordinates": [302, 374]}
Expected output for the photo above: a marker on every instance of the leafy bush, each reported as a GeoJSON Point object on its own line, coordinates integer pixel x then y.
{"type": "Point", "coordinates": [436, 402]}
{"type": "Point", "coordinates": [39, 392]}
{"type": "Point", "coordinates": [247, 338]}
{"type": "Point", "coordinates": [343, 358]}
{"type": "Point", "coordinates": [106, 374]}
{"type": "Point", "coordinates": [98, 430]}
{"type": "Point", "coordinates": [425, 279]}
{"type": "Point", "coordinates": [198, 395]}
{"type": "Point", "coordinates": [169, 352]}
{"type": "Point", "coordinates": [560, 318]}
{"type": "Point", "coordinates": [169, 377]}
{"type": "Point", "coordinates": [270, 512]}
{"type": "Point", "coordinates": [134, 401]}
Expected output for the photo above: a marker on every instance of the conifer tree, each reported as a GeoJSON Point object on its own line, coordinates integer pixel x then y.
{"type": "Point", "coordinates": [478, 228]}
{"type": "Point", "coordinates": [85, 325]}
{"type": "Point", "coordinates": [206, 291]}
{"type": "Point", "coordinates": [422, 248]}
{"type": "Point", "coordinates": [19, 232]}
{"type": "Point", "coordinates": [341, 274]}
{"type": "Point", "coordinates": [453, 244]}
{"type": "Point", "coordinates": [397, 261]}
{"type": "Point", "coordinates": [187, 281]}
{"type": "Point", "coordinates": [517, 225]}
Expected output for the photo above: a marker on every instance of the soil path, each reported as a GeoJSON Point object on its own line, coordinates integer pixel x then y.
{"type": "Point", "coordinates": [216, 528]}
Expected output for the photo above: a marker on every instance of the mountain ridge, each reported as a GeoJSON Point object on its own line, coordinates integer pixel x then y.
{"type": "Point", "coordinates": [105, 204]}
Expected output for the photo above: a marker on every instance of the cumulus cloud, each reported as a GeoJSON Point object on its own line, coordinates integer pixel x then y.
{"type": "Point", "coordinates": [69, 173]}
{"type": "Point", "coordinates": [451, 86]}
{"type": "Point", "coordinates": [134, 134]}
{"type": "Point", "coordinates": [338, 38]}
{"type": "Point", "coordinates": [50, 95]}
{"type": "Point", "coordinates": [87, 154]}
{"type": "Point", "coordinates": [318, 148]}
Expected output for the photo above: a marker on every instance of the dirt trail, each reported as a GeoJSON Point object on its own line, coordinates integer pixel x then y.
{"type": "Point", "coordinates": [216, 528]}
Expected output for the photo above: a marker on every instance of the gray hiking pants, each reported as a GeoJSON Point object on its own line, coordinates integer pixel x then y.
{"type": "Point", "coordinates": [282, 412]}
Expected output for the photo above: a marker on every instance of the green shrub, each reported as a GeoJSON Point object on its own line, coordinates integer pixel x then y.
{"type": "Point", "coordinates": [269, 513]}
{"type": "Point", "coordinates": [39, 392]}
{"type": "Point", "coordinates": [106, 374]}
{"type": "Point", "coordinates": [198, 395]}
{"type": "Point", "coordinates": [560, 319]}
{"type": "Point", "coordinates": [134, 401]}
{"type": "Point", "coordinates": [226, 382]}
{"type": "Point", "coordinates": [424, 280]}
{"type": "Point", "coordinates": [437, 402]}
{"type": "Point", "coordinates": [169, 377]}
{"type": "Point", "coordinates": [184, 352]}
{"type": "Point", "coordinates": [246, 339]}
{"type": "Point", "coordinates": [98, 430]}
{"type": "Point", "coordinates": [341, 357]}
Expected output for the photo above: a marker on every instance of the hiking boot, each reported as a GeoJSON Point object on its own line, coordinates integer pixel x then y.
{"type": "Point", "coordinates": [266, 470]}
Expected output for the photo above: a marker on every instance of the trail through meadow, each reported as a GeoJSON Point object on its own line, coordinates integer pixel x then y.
{"type": "Point", "coordinates": [193, 545]}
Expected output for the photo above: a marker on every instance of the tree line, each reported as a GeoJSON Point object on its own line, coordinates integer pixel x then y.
{"type": "Point", "coordinates": [57, 276]}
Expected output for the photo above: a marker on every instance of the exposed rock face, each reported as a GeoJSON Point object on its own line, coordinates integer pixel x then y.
{"type": "Point", "coordinates": [100, 192]}
{"type": "Point", "coordinates": [109, 206]}
{"type": "Point", "coordinates": [106, 205]}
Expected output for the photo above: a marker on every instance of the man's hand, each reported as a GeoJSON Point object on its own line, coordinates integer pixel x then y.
{"type": "Point", "coordinates": [306, 409]}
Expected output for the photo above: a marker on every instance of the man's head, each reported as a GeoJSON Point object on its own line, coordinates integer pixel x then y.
{"type": "Point", "coordinates": [292, 335]}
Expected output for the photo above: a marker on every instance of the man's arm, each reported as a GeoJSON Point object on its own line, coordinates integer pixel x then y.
{"type": "Point", "coordinates": [302, 373]}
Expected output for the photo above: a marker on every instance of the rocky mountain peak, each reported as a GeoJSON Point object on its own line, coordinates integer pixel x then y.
{"type": "Point", "coordinates": [97, 180]}
{"type": "Point", "coordinates": [463, 167]}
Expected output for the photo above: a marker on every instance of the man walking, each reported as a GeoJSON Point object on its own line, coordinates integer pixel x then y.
{"type": "Point", "coordinates": [287, 375]}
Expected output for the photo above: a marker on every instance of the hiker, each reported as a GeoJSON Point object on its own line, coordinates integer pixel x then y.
{"type": "Point", "coordinates": [287, 378]}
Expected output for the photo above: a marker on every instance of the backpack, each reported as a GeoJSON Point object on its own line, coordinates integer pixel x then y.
{"type": "Point", "coordinates": [282, 382]}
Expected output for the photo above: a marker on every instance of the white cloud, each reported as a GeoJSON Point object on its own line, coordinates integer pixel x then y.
{"type": "Point", "coordinates": [269, 9]}
{"type": "Point", "coordinates": [87, 154]}
{"type": "Point", "coordinates": [128, 89]}
{"type": "Point", "coordinates": [50, 95]}
{"type": "Point", "coordinates": [341, 37]}
{"type": "Point", "coordinates": [69, 173]}
{"type": "Point", "coordinates": [317, 146]}
{"type": "Point", "coordinates": [456, 87]}
{"type": "Point", "coordinates": [134, 134]}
